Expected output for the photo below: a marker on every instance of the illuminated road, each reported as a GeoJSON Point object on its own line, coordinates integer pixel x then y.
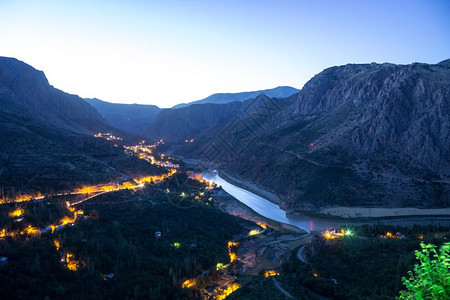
{"type": "Point", "coordinates": [141, 151]}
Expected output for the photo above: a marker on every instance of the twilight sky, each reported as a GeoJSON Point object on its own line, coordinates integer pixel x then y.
{"type": "Point", "coordinates": [167, 52]}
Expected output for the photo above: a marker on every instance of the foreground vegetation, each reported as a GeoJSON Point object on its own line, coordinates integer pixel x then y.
{"type": "Point", "coordinates": [368, 264]}
{"type": "Point", "coordinates": [431, 278]}
{"type": "Point", "coordinates": [115, 252]}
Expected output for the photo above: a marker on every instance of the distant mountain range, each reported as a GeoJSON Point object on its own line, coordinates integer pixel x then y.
{"type": "Point", "coordinates": [222, 98]}
{"type": "Point", "coordinates": [177, 125]}
{"type": "Point", "coordinates": [156, 123]}
{"type": "Point", "coordinates": [131, 118]}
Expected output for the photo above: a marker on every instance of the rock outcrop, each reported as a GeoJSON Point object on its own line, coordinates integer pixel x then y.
{"type": "Point", "coordinates": [355, 135]}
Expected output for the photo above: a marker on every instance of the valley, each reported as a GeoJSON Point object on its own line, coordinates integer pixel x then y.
{"type": "Point", "coordinates": [227, 197]}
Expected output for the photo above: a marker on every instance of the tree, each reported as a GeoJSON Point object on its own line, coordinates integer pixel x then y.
{"type": "Point", "coordinates": [432, 274]}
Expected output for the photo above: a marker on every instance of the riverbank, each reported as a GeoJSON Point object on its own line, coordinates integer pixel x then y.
{"type": "Point", "coordinates": [341, 212]}
{"type": "Point", "coordinates": [380, 212]}
{"type": "Point", "coordinates": [250, 186]}
{"type": "Point", "coordinates": [234, 207]}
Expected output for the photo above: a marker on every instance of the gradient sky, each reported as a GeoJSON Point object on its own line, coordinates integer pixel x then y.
{"type": "Point", "coordinates": [167, 52]}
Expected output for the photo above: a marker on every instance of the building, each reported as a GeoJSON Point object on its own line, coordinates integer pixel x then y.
{"type": "Point", "coordinates": [46, 230]}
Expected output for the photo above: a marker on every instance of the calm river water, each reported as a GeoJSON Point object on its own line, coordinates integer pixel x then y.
{"type": "Point", "coordinates": [272, 211]}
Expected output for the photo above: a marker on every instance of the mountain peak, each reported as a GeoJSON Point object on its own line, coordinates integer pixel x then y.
{"type": "Point", "coordinates": [222, 98]}
{"type": "Point", "coordinates": [28, 92]}
{"type": "Point", "coordinates": [444, 63]}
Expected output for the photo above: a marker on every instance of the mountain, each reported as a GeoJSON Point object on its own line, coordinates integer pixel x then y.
{"type": "Point", "coordinates": [131, 118]}
{"type": "Point", "coordinates": [26, 90]}
{"type": "Point", "coordinates": [355, 135]}
{"type": "Point", "coordinates": [221, 98]}
{"type": "Point", "coordinates": [46, 136]}
{"type": "Point", "coordinates": [177, 125]}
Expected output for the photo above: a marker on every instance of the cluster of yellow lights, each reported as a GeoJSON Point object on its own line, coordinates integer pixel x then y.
{"type": "Point", "coordinates": [71, 263]}
{"type": "Point", "coordinates": [16, 213]}
{"type": "Point", "coordinates": [155, 178]}
{"type": "Point", "coordinates": [221, 294]}
{"type": "Point", "coordinates": [115, 187]}
{"type": "Point", "coordinates": [254, 232]}
{"type": "Point", "coordinates": [30, 230]}
{"type": "Point", "coordinates": [327, 235]}
{"type": "Point", "coordinates": [263, 225]}
{"type": "Point", "coordinates": [232, 255]}
{"type": "Point", "coordinates": [22, 198]}
{"type": "Point", "coordinates": [68, 260]}
{"type": "Point", "coordinates": [199, 177]}
{"type": "Point", "coordinates": [188, 283]}
{"type": "Point", "coordinates": [335, 234]}
{"type": "Point", "coordinates": [221, 266]}
{"type": "Point", "coordinates": [57, 244]}
{"type": "Point", "coordinates": [66, 220]}
{"type": "Point", "coordinates": [33, 231]}
{"type": "Point", "coordinates": [271, 273]}
{"type": "Point", "coordinates": [105, 188]}
{"type": "Point", "coordinates": [390, 235]}
{"type": "Point", "coordinates": [109, 137]}
{"type": "Point", "coordinates": [144, 152]}
{"type": "Point", "coordinates": [4, 233]}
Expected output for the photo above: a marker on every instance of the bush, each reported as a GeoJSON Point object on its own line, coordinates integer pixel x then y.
{"type": "Point", "coordinates": [432, 274]}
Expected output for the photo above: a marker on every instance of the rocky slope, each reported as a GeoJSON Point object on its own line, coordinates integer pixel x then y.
{"type": "Point", "coordinates": [177, 125]}
{"type": "Point", "coordinates": [131, 118]}
{"type": "Point", "coordinates": [46, 136]}
{"type": "Point", "coordinates": [222, 98]}
{"type": "Point", "coordinates": [367, 135]}
{"type": "Point", "coordinates": [27, 90]}
{"type": "Point", "coordinates": [402, 109]}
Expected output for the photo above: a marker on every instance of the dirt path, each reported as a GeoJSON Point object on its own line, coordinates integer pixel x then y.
{"type": "Point", "coordinates": [300, 254]}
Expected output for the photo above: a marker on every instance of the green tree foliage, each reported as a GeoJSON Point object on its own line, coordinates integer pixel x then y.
{"type": "Point", "coordinates": [431, 278]}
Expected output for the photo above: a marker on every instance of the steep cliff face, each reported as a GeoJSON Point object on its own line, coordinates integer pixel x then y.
{"type": "Point", "coordinates": [372, 134]}
{"type": "Point", "coordinates": [401, 109]}
{"type": "Point", "coordinates": [27, 90]}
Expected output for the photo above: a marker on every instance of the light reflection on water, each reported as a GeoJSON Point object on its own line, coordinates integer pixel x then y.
{"type": "Point", "coordinates": [272, 211]}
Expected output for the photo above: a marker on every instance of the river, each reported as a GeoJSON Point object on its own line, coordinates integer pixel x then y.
{"type": "Point", "coordinates": [272, 211]}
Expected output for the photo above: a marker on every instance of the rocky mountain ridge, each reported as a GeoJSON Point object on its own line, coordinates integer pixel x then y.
{"type": "Point", "coordinates": [367, 135]}
{"type": "Point", "coordinates": [27, 91]}
{"type": "Point", "coordinates": [46, 136]}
